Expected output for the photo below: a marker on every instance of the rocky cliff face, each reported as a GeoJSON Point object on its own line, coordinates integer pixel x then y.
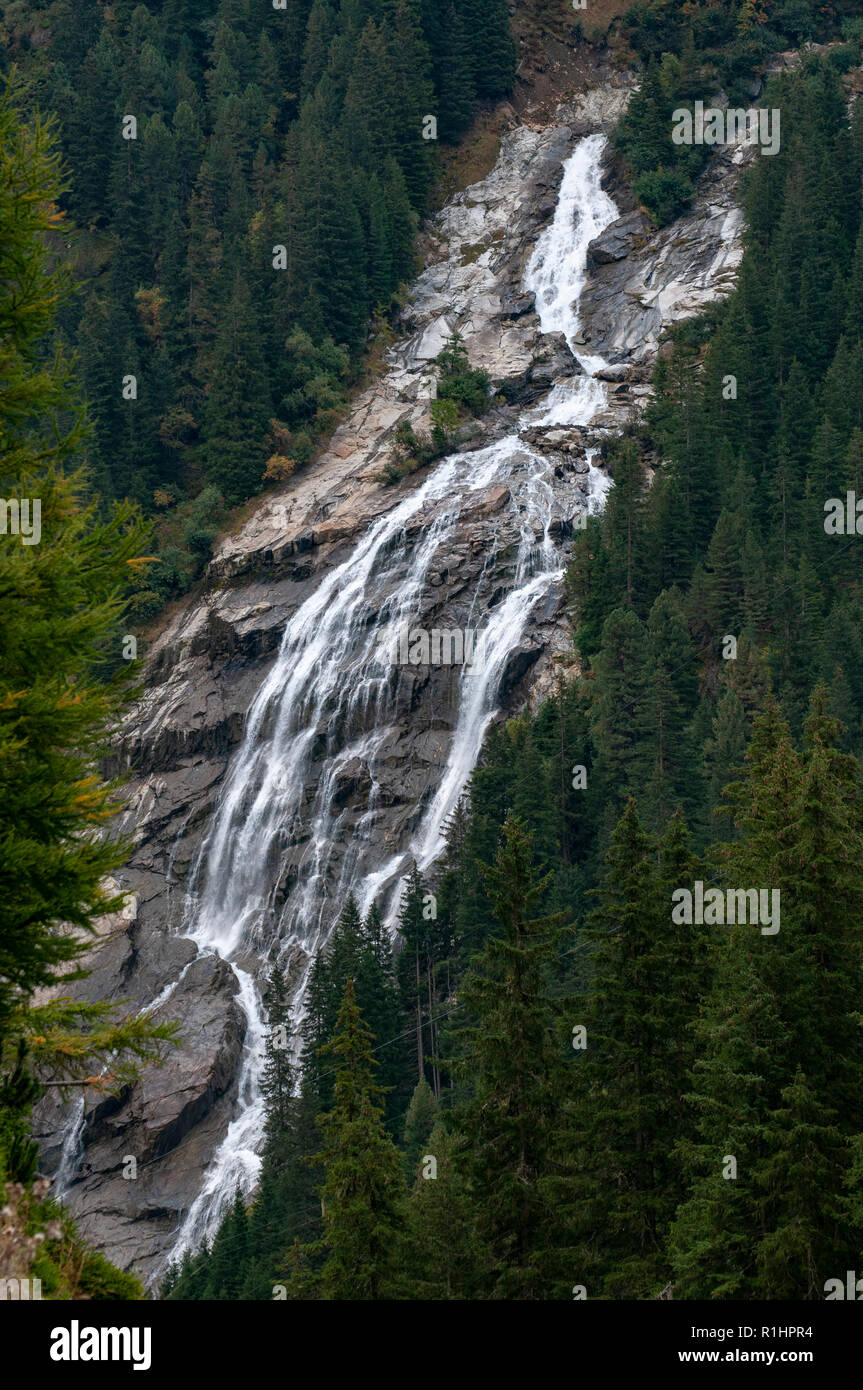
{"type": "Point", "coordinates": [183, 744]}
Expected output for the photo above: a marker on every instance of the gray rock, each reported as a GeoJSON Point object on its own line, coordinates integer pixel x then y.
{"type": "Point", "coordinates": [619, 239]}
{"type": "Point", "coordinates": [677, 271]}
{"type": "Point", "coordinates": [217, 648]}
{"type": "Point", "coordinates": [513, 306]}
{"type": "Point", "coordinates": [162, 1122]}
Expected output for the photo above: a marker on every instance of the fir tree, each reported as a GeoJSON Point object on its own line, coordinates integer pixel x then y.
{"type": "Point", "coordinates": [419, 1123]}
{"type": "Point", "coordinates": [443, 1257]}
{"type": "Point", "coordinates": [65, 593]}
{"type": "Point", "coordinates": [648, 978]}
{"type": "Point", "coordinates": [514, 1067]}
{"type": "Point", "coordinates": [362, 1189]}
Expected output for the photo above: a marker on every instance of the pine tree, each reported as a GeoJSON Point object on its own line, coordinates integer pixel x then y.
{"type": "Point", "coordinates": [238, 405]}
{"type": "Point", "coordinates": [411, 963]}
{"type": "Point", "coordinates": [724, 588]}
{"type": "Point", "coordinates": [625, 509]}
{"type": "Point", "coordinates": [61, 691]}
{"type": "Point", "coordinates": [443, 1257]}
{"type": "Point", "coordinates": [668, 706]}
{"type": "Point", "coordinates": [767, 1090]}
{"type": "Point", "coordinates": [454, 77]}
{"type": "Point", "coordinates": [818, 867]}
{"type": "Point", "coordinates": [378, 998]}
{"type": "Point", "coordinates": [513, 1063]}
{"type": "Point", "coordinates": [487, 25]}
{"type": "Point", "coordinates": [419, 1122]}
{"type": "Point", "coordinates": [277, 1074]}
{"type": "Point", "coordinates": [716, 1231]}
{"type": "Point", "coordinates": [724, 751]}
{"type": "Point", "coordinates": [807, 1235]}
{"type": "Point", "coordinates": [362, 1189]}
{"type": "Point", "coordinates": [627, 1113]}
{"type": "Point", "coordinates": [226, 1263]}
{"type": "Point", "coordinates": [617, 705]}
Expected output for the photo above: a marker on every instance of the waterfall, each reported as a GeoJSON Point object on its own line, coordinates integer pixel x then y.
{"type": "Point", "coordinates": [280, 849]}
{"type": "Point", "coordinates": [72, 1153]}
{"type": "Point", "coordinates": [557, 270]}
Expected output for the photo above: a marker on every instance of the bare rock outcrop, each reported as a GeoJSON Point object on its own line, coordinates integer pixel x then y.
{"type": "Point", "coordinates": [213, 655]}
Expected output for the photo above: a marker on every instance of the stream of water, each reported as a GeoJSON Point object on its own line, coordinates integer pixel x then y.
{"type": "Point", "coordinates": [330, 698]}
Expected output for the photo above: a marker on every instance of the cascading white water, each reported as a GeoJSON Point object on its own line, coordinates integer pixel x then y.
{"type": "Point", "coordinates": [557, 270]}
{"type": "Point", "coordinates": [330, 698]}
{"type": "Point", "coordinates": [72, 1153]}
{"type": "Point", "coordinates": [556, 275]}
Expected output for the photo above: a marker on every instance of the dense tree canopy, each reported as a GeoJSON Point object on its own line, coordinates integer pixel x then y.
{"type": "Point", "coordinates": [552, 1079]}
{"type": "Point", "coordinates": [611, 1096]}
{"type": "Point", "coordinates": [237, 237]}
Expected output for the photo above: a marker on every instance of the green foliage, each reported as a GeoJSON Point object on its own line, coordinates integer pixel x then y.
{"type": "Point", "coordinates": [101, 1280]}
{"type": "Point", "coordinates": [409, 452]}
{"type": "Point", "coordinates": [62, 687]}
{"type": "Point", "coordinates": [460, 388]}
{"type": "Point", "coordinates": [692, 51]}
{"type": "Point", "coordinates": [667, 193]}
{"type": "Point", "coordinates": [419, 1123]}
{"type": "Point", "coordinates": [605, 1163]}
{"type": "Point", "coordinates": [459, 382]}
{"type": "Point", "coordinates": [627, 1112]}
{"type": "Point", "coordinates": [443, 1258]}
{"type": "Point", "coordinates": [765, 1087]}
{"type": "Point", "coordinates": [513, 1064]}
{"type": "Point", "coordinates": [234, 254]}
{"type": "Point", "coordinates": [662, 171]}
{"type": "Point", "coordinates": [66, 1266]}
{"type": "Point", "coordinates": [362, 1189]}
{"type": "Point", "coordinates": [735, 516]}
{"type": "Point", "coordinates": [358, 951]}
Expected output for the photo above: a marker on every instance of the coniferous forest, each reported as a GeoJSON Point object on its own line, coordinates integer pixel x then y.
{"type": "Point", "coordinates": [301, 130]}
{"type": "Point", "coordinates": [546, 1084]}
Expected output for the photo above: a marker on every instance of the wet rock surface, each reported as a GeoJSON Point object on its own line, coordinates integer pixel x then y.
{"type": "Point", "coordinates": [212, 657]}
{"type": "Point", "coordinates": [644, 279]}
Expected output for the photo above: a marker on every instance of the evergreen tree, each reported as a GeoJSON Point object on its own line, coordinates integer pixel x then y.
{"type": "Point", "coordinates": [714, 1240]}
{"type": "Point", "coordinates": [419, 1123]}
{"type": "Point", "coordinates": [239, 403]}
{"type": "Point", "coordinates": [277, 1075]}
{"type": "Point", "coordinates": [627, 1113]}
{"type": "Point", "coordinates": [362, 1189]}
{"type": "Point", "coordinates": [443, 1258]}
{"type": "Point", "coordinates": [226, 1263]}
{"type": "Point", "coordinates": [514, 1067]}
{"type": "Point", "coordinates": [618, 705]}
{"type": "Point", "coordinates": [413, 930]}
{"type": "Point", "coordinates": [62, 692]}
{"type": "Point", "coordinates": [764, 1235]}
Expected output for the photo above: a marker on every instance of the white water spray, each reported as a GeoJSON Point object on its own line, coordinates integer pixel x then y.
{"type": "Point", "coordinates": [72, 1153]}
{"type": "Point", "coordinates": [281, 847]}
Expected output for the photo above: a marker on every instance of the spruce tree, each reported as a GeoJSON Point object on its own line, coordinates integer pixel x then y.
{"type": "Point", "coordinates": [443, 1259]}
{"type": "Point", "coordinates": [411, 962]}
{"type": "Point", "coordinates": [419, 1122]}
{"type": "Point", "coordinates": [514, 1066]}
{"type": "Point", "coordinates": [626, 1108]}
{"type": "Point", "coordinates": [64, 571]}
{"type": "Point", "coordinates": [618, 706]}
{"type": "Point", "coordinates": [362, 1189]}
{"type": "Point", "coordinates": [277, 1075]}
{"type": "Point", "coordinates": [227, 1261]}
{"type": "Point", "coordinates": [767, 1091]}
{"type": "Point", "coordinates": [238, 405]}
{"type": "Point", "coordinates": [714, 1240]}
